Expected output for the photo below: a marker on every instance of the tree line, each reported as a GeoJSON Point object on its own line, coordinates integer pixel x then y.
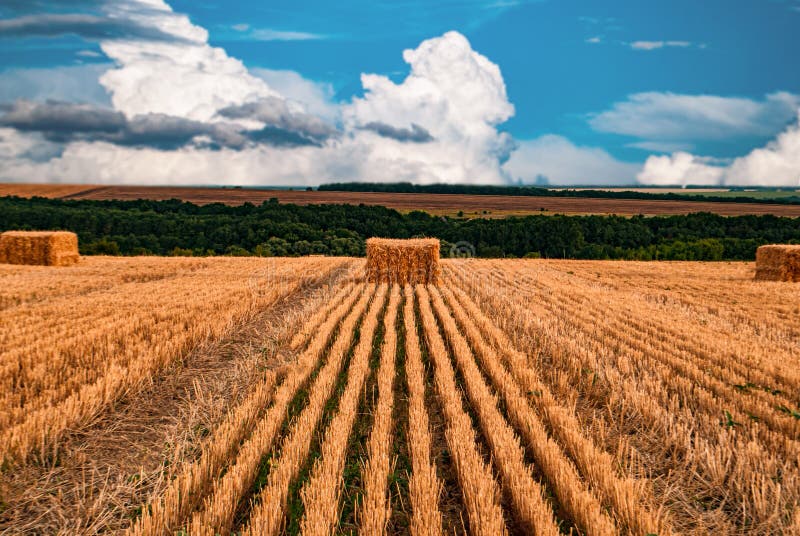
{"type": "Point", "coordinates": [274, 229]}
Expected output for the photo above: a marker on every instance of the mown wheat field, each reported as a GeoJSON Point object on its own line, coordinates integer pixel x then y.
{"type": "Point", "coordinates": [284, 396]}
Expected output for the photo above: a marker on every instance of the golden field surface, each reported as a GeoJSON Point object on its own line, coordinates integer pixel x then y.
{"type": "Point", "coordinates": [254, 396]}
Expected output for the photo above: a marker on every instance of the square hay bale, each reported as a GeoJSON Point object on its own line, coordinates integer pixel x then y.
{"type": "Point", "coordinates": [403, 261]}
{"type": "Point", "coordinates": [778, 262]}
{"type": "Point", "coordinates": [45, 248]}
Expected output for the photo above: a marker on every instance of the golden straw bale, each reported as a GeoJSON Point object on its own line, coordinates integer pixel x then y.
{"type": "Point", "coordinates": [45, 248]}
{"type": "Point", "coordinates": [403, 261]}
{"type": "Point", "coordinates": [778, 262]}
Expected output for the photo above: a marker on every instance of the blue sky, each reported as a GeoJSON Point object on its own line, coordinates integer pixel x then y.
{"type": "Point", "coordinates": [554, 77]}
{"type": "Point", "coordinates": [630, 85]}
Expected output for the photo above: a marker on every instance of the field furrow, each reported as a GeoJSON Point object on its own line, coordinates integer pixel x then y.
{"type": "Point", "coordinates": [322, 492]}
{"type": "Point", "coordinates": [263, 396]}
{"type": "Point", "coordinates": [269, 512]}
{"type": "Point", "coordinates": [530, 508]}
{"type": "Point", "coordinates": [624, 497]}
{"type": "Point", "coordinates": [36, 415]}
{"type": "Point", "coordinates": [711, 455]}
{"type": "Point", "coordinates": [375, 508]}
{"type": "Point", "coordinates": [480, 490]}
{"type": "Point", "coordinates": [424, 485]}
{"type": "Point", "coordinates": [168, 511]}
{"type": "Point", "coordinates": [686, 373]}
{"type": "Point", "coordinates": [720, 353]}
{"type": "Point", "coordinates": [302, 337]}
{"type": "Point", "coordinates": [218, 512]}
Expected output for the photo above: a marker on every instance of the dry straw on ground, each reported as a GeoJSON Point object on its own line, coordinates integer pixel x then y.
{"type": "Point", "coordinates": [403, 261]}
{"type": "Point", "coordinates": [778, 262]}
{"type": "Point", "coordinates": [46, 248]}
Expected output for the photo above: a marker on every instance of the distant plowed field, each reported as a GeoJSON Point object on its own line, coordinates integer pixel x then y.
{"type": "Point", "coordinates": [53, 191]}
{"type": "Point", "coordinates": [443, 204]}
{"type": "Point", "coordinates": [282, 396]}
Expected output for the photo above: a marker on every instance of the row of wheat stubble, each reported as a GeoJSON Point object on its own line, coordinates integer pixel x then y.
{"type": "Point", "coordinates": [67, 358]}
{"type": "Point", "coordinates": [573, 395]}
{"type": "Point", "coordinates": [676, 393]}
{"type": "Point", "coordinates": [524, 466]}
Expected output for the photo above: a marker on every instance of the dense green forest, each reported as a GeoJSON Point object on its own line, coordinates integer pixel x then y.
{"type": "Point", "coordinates": [272, 229]}
{"type": "Point", "coordinates": [471, 189]}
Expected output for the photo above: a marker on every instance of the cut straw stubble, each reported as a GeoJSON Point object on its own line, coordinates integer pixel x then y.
{"type": "Point", "coordinates": [424, 487]}
{"type": "Point", "coordinates": [375, 507]}
{"type": "Point", "coordinates": [321, 494]}
{"type": "Point", "coordinates": [166, 512]}
{"type": "Point", "coordinates": [268, 514]}
{"type": "Point", "coordinates": [480, 490]}
{"type": "Point", "coordinates": [217, 515]}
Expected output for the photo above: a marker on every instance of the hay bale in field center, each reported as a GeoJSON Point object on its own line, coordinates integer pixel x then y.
{"type": "Point", "coordinates": [44, 248]}
{"type": "Point", "coordinates": [777, 262]}
{"type": "Point", "coordinates": [403, 261]}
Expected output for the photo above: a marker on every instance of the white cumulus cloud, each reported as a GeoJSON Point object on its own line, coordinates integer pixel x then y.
{"type": "Point", "coordinates": [455, 94]}
{"type": "Point", "coordinates": [18, 146]}
{"type": "Point", "coordinates": [440, 124]}
{"type": "Point", "coordinates": [557, 161]}
{"type": "Point", "coordinates": [776, 164]}
{"type": "Point", "coordinates": [186, 78]}
{"type": "Point", "coordinates": [680, 168]}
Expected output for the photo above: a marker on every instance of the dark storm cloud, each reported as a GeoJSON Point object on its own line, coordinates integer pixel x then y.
{"type": "Point", "coordinates": [64, 122]}
{"type": "Point", "coordinates": [169, 132]}
{"type": "Point", "coordinates": [277, 116]}
{"type": "Point", "coordinates": [61, 117]}
{"type": "Point", "coordinates": [415, 134]}
{"type": "Point", "coordinates": [279, 137]}
{"type": "Point", "coordinates": [81, 24]}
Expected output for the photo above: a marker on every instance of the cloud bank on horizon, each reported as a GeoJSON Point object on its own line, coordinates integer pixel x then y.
{"type": "Point", "coordinates": [776, 164]}
{"type": "Point", "coordinates": [170, 108]}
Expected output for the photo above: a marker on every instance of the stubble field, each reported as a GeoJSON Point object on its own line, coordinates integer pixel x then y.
{"type": "Point", "coordinates": [250, 396]}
